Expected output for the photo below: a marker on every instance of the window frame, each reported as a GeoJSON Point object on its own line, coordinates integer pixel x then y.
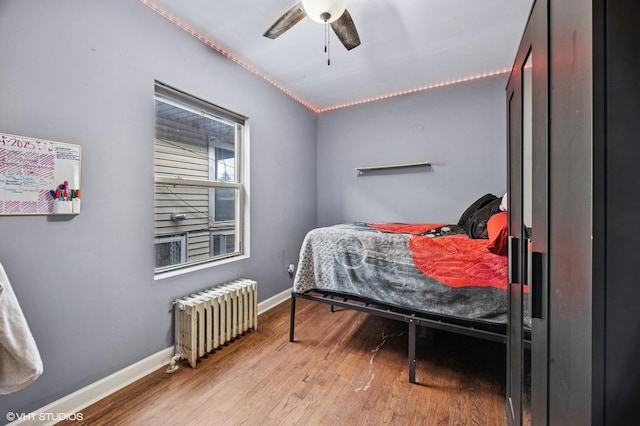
{"type": "Point", "coordinates": [196, 105]}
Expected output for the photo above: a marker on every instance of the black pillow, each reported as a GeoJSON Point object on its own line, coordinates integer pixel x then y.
{"type": "Point", "coordinates": [474, 207]}
{"type": "Point", "coordinates": [475, 217]}
{"type": "Point", "coordinates": [476, 226]}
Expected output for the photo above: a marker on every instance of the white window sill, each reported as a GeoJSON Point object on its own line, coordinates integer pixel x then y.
{"type": "Point", "coordinates": [193, 268]}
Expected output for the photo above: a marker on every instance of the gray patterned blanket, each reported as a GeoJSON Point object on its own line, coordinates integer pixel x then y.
{"type": "Point", "coordinates": [433, 269]}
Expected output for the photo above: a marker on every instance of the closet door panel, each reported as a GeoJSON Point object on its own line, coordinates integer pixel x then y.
{"type": "Point", "coordinates": [570, 220]}
{"type": "Point", "coordinates": [514, 190]}
{"type": "Point", "coordinates": [539, 268]}
{"type": "Point", "coordinates": [621, 324]}
{"type": "Point", "coordinates": [527, 347]}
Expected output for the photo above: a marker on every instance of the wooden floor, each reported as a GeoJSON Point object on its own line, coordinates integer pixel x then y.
{"type": "Point", "coordinates": [345, 368]}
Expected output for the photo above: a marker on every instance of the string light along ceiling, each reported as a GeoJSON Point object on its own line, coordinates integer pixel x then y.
{"type": "Point", "coordinates": [314, 108]}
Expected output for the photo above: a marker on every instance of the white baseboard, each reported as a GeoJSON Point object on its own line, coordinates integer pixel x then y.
{"type": "Point", "coordinates": [76, 401]}
{"type": "Point", "coordinates": [274, 301]}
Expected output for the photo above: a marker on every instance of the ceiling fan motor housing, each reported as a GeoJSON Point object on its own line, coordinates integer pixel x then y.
{"type": "Point", "coordinates": [324, 11]}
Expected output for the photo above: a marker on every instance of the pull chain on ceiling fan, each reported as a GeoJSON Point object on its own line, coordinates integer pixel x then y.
{"type": "Point", "coordinates": [326, 43]}
{"type": "Point", "coordinates": [328, 12]}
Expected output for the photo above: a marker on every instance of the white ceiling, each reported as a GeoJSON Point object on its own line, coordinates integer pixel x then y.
{"type": "Point", "coordinates": [406, 44]}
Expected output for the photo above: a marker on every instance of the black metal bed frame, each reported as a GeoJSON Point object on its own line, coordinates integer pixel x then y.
{"type": "Point", "coordinates": [494, 332]}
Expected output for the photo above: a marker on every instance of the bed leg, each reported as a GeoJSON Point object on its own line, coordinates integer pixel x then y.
{"type": "Point", "coordinates": [293, 317]}
{"type": "Point", "coordinates": [412, 351]}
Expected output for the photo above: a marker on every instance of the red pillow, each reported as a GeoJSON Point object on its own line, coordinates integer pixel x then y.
{"type": "Point", "coordinates": [498, 229]}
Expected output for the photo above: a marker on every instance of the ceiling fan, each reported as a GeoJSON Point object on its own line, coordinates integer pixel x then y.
{"type": "Point", "coordinates": [329, 12]}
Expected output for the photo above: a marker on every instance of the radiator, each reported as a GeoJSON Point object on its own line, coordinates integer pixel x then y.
{"type": "Point", "coordinates": [213, 317]}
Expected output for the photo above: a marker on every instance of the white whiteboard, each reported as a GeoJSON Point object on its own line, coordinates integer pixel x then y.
{"type": "Point", "coordinates": [30, 168]}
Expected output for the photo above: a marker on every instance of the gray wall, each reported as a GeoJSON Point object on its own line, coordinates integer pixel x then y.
{"type": "Point", "coordinates": [82, 71]}
{"type": "Point", "coordinates": [461, 129]}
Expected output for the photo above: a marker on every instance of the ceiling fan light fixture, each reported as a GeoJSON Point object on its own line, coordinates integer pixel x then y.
{"type": "Point", "coordinates": [318, 10]}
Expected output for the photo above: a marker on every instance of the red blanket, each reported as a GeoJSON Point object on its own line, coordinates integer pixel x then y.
{"type": "Point", "coordinates": [455, 260]}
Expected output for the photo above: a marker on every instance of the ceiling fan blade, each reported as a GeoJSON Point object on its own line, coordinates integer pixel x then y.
{"type": "Point", "coordinates": [286, 21]}
{"type": "Point", "coordinates": [346, 31]}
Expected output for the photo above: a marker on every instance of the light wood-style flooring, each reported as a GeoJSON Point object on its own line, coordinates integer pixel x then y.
{"type": "Point", "coordinates": [345, 368]}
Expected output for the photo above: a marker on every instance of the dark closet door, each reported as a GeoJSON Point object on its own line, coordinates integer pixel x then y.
{"type": "Point", "coordinates": [527, 102]}
{"type": "Point", "coordinates": [515, 337]}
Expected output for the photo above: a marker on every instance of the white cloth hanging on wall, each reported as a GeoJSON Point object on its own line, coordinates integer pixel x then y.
{"type": "Point", "coordinates": [20, 362]}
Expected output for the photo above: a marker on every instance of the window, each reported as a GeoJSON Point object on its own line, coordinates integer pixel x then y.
{"type": "Point", "coordinates": [199, 192]}
{"type": "Point", "coordinates": [222, 243]}
{"type": "Point", "coordinates": [170, 250]}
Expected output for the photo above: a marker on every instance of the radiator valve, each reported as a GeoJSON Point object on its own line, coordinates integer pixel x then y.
{"type": "Point", "coordinates": [173, 364]}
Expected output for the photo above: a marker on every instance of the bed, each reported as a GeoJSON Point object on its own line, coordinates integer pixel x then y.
{"type": "Point", "coordinates": [432, 275]}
